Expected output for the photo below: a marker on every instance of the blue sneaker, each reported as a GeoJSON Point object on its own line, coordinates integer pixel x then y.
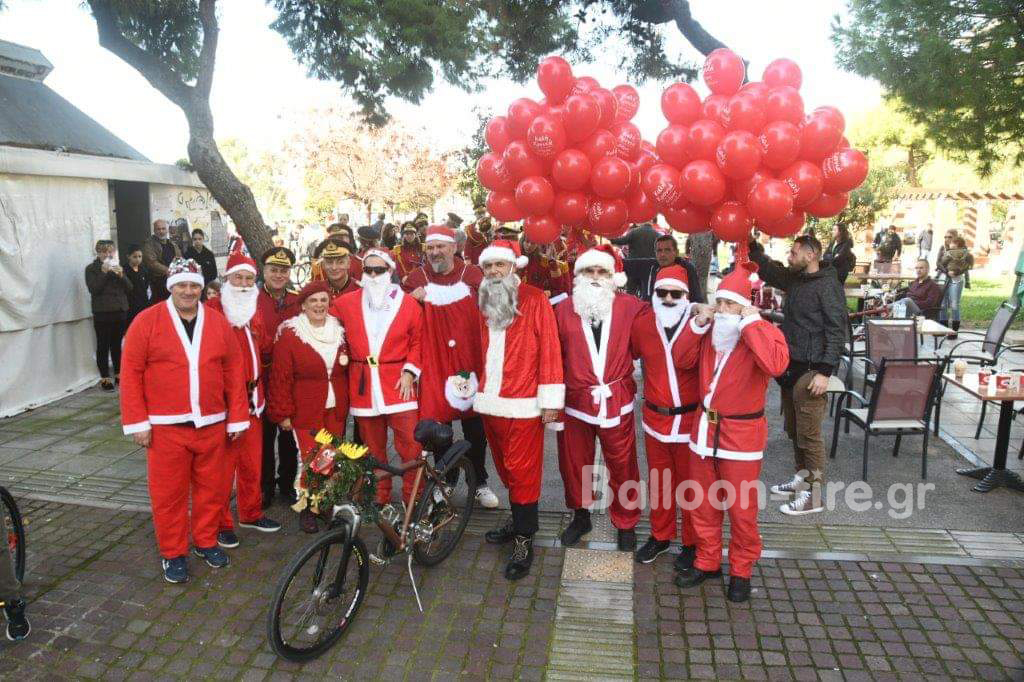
{"type": "Point", "coordinates": [265, 525]}
{"type": "Point", "coordinates": [214, 556]}
{"type": "Point", "coordinates": [175, 570]}
{"type": "Point", "coordinates": [227, 539]}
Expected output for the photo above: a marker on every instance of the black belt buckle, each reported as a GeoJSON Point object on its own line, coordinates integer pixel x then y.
{"type": "Point", "coordinates": [712, 416]}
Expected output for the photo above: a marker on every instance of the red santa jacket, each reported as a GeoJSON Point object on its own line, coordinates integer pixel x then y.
{"type": "Point", "coordinates": [254, 344]}
{"type": "Point", "coordinates": [476, 242]}
{"type": "Point", "coordinates": [407, 258]}
{"type": "Point", "coordinates": [274, 312]}
{"type": "Point", "coordinates": [462, 271]}
{"type": "Point", "coordinates": [733, 384]}
{"type": "Point", "coordinates": [522, 363]}
{"type": "Point", "coordinates": [665, 385]}
{"type": "Point", "coordinates": [298, 380]}
{"type": "Point", "coordinates": [599, 384]}
{"type": "Point", "coordinates": [381, 344]}
{"type": "Point", "coordinates": [168, 379]}
{"type": "Point", "coordinates": [547, 274]}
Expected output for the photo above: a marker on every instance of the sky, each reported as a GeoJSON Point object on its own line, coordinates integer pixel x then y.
{"type": "Point", "coordinates": [259, 86]}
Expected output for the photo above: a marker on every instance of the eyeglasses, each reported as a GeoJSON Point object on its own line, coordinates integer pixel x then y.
{"type": "Point", "coordinates": [375, 269]}
{"type": "Point", "coordinates": [670, 293]}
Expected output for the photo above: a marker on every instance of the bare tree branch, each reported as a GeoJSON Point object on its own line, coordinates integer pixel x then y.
{"type": "Point", "coordinates": [679, 12]}
{"type": "Point", "coordinates": [208, 54]}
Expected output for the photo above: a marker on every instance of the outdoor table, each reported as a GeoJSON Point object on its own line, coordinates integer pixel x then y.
{"type": "Point", "coordinates": [996, 475]}
{"type": "Point", "coordinates": [861, 296]}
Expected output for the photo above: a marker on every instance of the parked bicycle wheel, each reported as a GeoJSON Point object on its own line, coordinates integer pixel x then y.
{"type": "Point", "coordinates": [318, 596]}
{"type": "Point", "coordinates": [448, 518]}
{"type": "Point", "coordinates": [15, 533]}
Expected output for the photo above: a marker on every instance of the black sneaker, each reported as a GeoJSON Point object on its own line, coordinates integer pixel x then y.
{"type": "Point", "coordinates": [107, 385]}
{"type": "Point", "coordinates": [692, 577]}
{"type": "Point", "coordinates": [264, 525]}
{"type": "Point", "coordinates": [175, 570]}
{"type": "Point", "coordinates": [627, 540]}
{"type": "Point", "coordinates": [521, 559]}
{"type": "Point", "coordinates": [214, 556]}
{"type": "Point", "coordinates": [579, 527]}
{"type": "Point", "coordinates": [684, 560]}
{"type": "Point", "coordinates": [651, 550]}
{"type": "Point", "coordinates": [739, 589]}
{"type": "Point", "coordinates": [502, 534]}
{"type": "Point", "coordinates": [18, 626]}
{"type": "Point", "coordinates": [227, 539]}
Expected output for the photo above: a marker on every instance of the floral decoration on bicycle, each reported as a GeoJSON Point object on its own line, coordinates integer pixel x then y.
{"type": "Point", "coordinates": [337, 473]}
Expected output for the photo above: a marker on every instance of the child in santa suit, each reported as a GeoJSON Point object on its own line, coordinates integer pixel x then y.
{"type": "Point", "coordinates": [736, 354]}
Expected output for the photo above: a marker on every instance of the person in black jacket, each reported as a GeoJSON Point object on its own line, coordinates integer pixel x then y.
{"type": "Point", "coordinates": [839, 253]}
{"type": "Point", "coordinates": [814, 325]}
{"type": "Point", "coordinates": [140, 295]}
{"type": "Point", "coordinates": [109, 287]}
{"type": "Point", "coordinates": [666, 251]}
{"type": "Point", "coordinates": [202, 255]}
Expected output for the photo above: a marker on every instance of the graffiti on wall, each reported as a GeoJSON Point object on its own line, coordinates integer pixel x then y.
{"type": "Point", "coordinates": [189, 208]}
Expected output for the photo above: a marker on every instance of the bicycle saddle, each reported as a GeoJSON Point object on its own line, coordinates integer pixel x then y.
{"type": "Point", "coordinates": [434, 436]}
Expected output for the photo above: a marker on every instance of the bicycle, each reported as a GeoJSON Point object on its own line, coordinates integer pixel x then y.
{"type": "Point", "coordinates": [330, 575]}
{"type": "Point", "coordinates": [15, 533]}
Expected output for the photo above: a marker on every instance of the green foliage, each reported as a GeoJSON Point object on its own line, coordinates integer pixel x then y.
{"type": "Point", "coordinates": [954, 65]}
{"type": "Point", "coordinates": [168, 29]}
{"type": "Point", "coordinates": [264, 173]}
{"type": "Point", "coordinates": [867, 202]}
{"type": "Point", "coordinates": [889, 136]}
{"type": "Point", "coordinates": [467, 182]}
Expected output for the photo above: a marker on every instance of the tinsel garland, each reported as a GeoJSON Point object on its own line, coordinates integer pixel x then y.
{"type": "Point", "coordinates": [337, 473]}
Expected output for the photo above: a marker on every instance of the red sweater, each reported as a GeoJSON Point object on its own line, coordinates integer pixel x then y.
{"type": "Point", "coordinates": [298, 382]}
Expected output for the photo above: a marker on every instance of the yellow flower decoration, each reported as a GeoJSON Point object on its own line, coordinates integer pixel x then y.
{"type": "Point", "coordinates": [353, 451]}
{"type": "Point", "coordinates": [324, 437]}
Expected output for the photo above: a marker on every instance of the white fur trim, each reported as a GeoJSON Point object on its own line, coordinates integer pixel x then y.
{"type": "Point", "coordinates": [137, 427]}
{"type": "Point", "coordinates": [698, 329]}
{"type": "Point", "coordinates": [558, 298]}
{"type": "Point", "coordinates": [551, 396]}
{"type": "Point", "coordinates": [205, 420]}
{"type": "Point", "coordinates": [522, 262]}
{"type": "Point", "coordinates": [382, 254]}
{"type": "Point", "coordinates": [409, 367]}
{"type": "Point", "coordinates": [665, 438]}
{"type": "Point", "coordinates": [730, 295]}
{"type": "Point", "coordinates": [620, 279]}
{"type": "Point", "coordinates": [515, 408]}
{"type": "Point", "coordinates": [500, 253]}
{"type": "Point", "coordinates": [441, 294]}
{"type": "Point", "coordinates": [594, 258]}
{"type": "Point", "coordinates": [749, 320]}
{"type": "Point", "coordinates": [239, 268]}
{"type": "Point", "coordinates": [671, 282]}
{"type": "Point", "coordinates": [387, 409]}
{"type": "Point", "coordinates": [179, 277]}
{"type": "Point", "coordinates": [601, 422]}
{"type": "Point", "coordinates": [703, 451]}
{"type": "Point", "coordinates": [238, 427]}
{"type": "Point", "coordinates": [292, 323]}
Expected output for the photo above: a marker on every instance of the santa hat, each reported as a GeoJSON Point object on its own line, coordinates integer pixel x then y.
{"type": "Point", "coordinates": [239, 259]}
{"type": "Point", "coordinates": [440, 233]}
{"type": "Point", "coordinates": [315, 287]}
{"type": "Point", "coordinates": [736, 285]}
{"type": "Point", "coordinates": [382, 254]}
{"type": "Point", "coordinates": [603, 256]}
{"type": "Point", "coordinates": [504, 250]}
{"type": "Point", "coordinates": [184, 270]}
{"type": "Point", "coordinates": [673, 275]}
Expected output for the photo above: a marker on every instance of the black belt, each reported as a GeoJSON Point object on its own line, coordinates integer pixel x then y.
{"type": "Point", "coordinates": [715, 417]}
{"type": "Point", "coordinates": [671, 411]}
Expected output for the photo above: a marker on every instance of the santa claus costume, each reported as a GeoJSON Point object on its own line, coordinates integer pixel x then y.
{"type": "Point", "coordinates": [734, 362]}
{"type": "Point", "coordinates": [522, 376]}
{"type": "Point", "coordinates": [407, 256]}
{"type": "Point", "coordinates": [594, 328]}
{"type": "Point", "coordinates": [670, 402]}
{"type": "Point", "coordinates": [384, 328]}
{"type": "Point", "coordinates": [182, 381]}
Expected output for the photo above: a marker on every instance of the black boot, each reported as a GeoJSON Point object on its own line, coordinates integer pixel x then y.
{"type": "Point", "coordinates": [577, 528]}
{"type": "Point", "coordinates": [739, 589]}
{"type": "Point", "coordinates": [307, 522]}
{"type": "Point", "coordinates": [521, 559]}
{"type": "Point", "coordinates": [651, 550]}
{"type": "Point", "coordinates": [684, 560]}
{"type": "Point", "coordinates": [692, 577]}
{"type": "Point", "coordinates": [627, 540]}
{"type": "Point", "coordinates": [502, 534]}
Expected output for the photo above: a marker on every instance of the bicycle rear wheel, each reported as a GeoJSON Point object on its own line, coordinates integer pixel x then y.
{"type": "Point", "coordinates": [445, 513]}
{"type": "Point", "coordinates": [318, 596]}
{"type": "Point", "coordinates": [15, 533]}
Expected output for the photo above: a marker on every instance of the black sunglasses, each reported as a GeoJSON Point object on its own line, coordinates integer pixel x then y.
{"type": "Point", "coordinates": [674, 293]}
{"type": "Point", "coordinates": [375, 269]}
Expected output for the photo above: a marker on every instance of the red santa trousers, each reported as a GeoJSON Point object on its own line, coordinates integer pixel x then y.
{"type": "Point", "coordinates": [184, 462]}
{"type": "Point", "coordinates": [374, 432]}
{"type": "Point", "coordinates": [243, 467]}
{"type": "Point", "coordinates": [305, 440]}
{"type": "Point", "coordinates": [668, 465]}
{"type": "Point", "coordinates": [745, 541]}
{"type": "Point", "coordinates": [517, 446]}
{"type": "Point", "coordinates": [618, 446]}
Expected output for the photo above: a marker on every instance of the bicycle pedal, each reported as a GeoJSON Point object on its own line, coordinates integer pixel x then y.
{"type": "Point", "coordinates": [376, 560]}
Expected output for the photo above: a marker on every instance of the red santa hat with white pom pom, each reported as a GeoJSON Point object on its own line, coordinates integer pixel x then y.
{"type": "Point", "coordinates": [604, 256]}
{"type": "Point", "coordinates": [239, 259]}
{"type": "Point", "coordinates": [504, 250]}
{"type": "Point", "coordinates": [737, 285]}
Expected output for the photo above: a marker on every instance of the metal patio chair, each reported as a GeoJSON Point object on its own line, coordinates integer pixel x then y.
{"type": "Point", "coordinates": [886, 338]}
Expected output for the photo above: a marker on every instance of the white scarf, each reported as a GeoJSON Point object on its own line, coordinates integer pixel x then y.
{"type": "Point", "coordinates": [325, 341]}
{"type": "Point", "coordinates": [238, 303]}
{"type": "Point", "coordinates": [725, 333]}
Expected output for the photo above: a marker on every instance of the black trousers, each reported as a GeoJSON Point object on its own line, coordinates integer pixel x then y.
{"type": "Point", "coordinates": [287, 460]}
{"type": "Point", "coordinates": [109, 333]}
{"type": "Point", "coordinates": [473, 431]}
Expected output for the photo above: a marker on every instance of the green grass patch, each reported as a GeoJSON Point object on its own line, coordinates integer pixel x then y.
{"type": "Point", "coordinates": [978, 303]}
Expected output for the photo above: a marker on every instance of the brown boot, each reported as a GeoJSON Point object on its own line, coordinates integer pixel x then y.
{"type": "Point", "coordinates": [307, 522]}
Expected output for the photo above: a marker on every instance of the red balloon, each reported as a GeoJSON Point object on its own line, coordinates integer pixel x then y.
{"type": "Point", "coordinates": [542, 229]}
{"type": "Point", "coordinates": [680, 103]}
{"type": "Point", "coordinates": [787, 226]}
{"type": "Point", "coordinates": [756, 89]}
{"type": "Point", "coordinates": [723, 71]}
{"type": "Point", "coordinates": [627, 141]}
{"type": "Point", "coordinates": [534, 195]}
{"type": "Point", "coordinates": [688, 219]}
{"type": "Point", "coordinates": [557, 111]}
{"type": "Point", "coordinates": [497, 134]}
{"type": "Point", "coordinates": [819, 137]}
{"type": "Point", "coordinates": [584, 84]}
{"type": "Point", "coordinates": [844, 171]}
{"type": "Point", "coordinates": [546, 136]}
{"type": "Point", "coordinates": [703, 141]}
{"type": "Point", "coordinates": [502, 205]}
{"type": "Point", "coordinates": [662, 184]}
{"type": "Point", "coordinates": [599, 145]}
{"type": "Point", "coordinates": [519, 162]}
{"type": "Point", "coordinates": [770, 200]}
{"type": "Point", "coordinates": [554, 76]}
{"type": "Point", "coordinates": [805, 180]}
{"type": "Point", "coordinates": [703, 184]}
{"type": "Point", "coordinates": [832, 114]}
{"type": "Point", "coordinates": [491, 172]}
{"type": "Point", "coordinates": [636, 178]}
{"type": "Point", "coordinates": [716, 108]}
{"type": "Point", "coordinates": [843, 144]}
{"type": "Point", "coordinates": [640, 207]}
{"type": "Point", "coordinates": [731, 222]}
{"type": "Point", "coordinates": [780, 144]}
{"type": "Point", "coordinates": [609, 106]}
{"type": "Point", "coordinates": [520, 115]}
{"type": "Point", "coordinates": [647, 159]}
{"type": "Point", "coordinates": [783, 72]}
{"type": "Point", "coordinates": [571, 169]}
{"type": "Point", "coordinates": [628, 100]}
{"type": "Point", "coordinates": [784, 103]}
{"type": "Point", "coordinates": [828, 205]}
{"type": "Point", "coordinates": [610, 177]}
{"type": "Point", "coordinates": [745, 112]}
{"type": "Point", "coordinates": [738, 154]}
{"type": "Point", "coordinates": [570, 208]}
{"type": "Point", "coordinates": [671, 144]}
{"type": "Point", "coordinates": [582, 115]}
{"type": "Point", "coordinates": [607, 217]}
{"type": "Point", "coordinates": [741, 189]}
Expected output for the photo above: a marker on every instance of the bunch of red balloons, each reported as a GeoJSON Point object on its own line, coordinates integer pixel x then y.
{"type": "Point", "coordinates": [572, 159]}
{"type": "Point", "coordinates": [747, 155]}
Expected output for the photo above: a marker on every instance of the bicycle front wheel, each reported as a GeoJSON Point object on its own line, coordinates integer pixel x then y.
{"type": "Point", "coordinates": [318, 596]}
{"type": "Point", "coordinates": [15, 533]}
{"type": "Point", "coordinates": [443, 513]}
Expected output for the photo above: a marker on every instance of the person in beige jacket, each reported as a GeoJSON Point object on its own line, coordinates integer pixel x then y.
{"type": "Point", "coordinates": [157, 253]}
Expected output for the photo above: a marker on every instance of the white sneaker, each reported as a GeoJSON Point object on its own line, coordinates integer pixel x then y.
{"type": "Point", "coordinates": [486, 498]}
{"type": "Point", "coordinates": [801, 505]}
{"type": "Point", "coordinates": [788, 488]}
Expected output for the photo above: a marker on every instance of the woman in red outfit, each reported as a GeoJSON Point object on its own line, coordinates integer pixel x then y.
{"type": "Point", "coordinates": [309, 380]}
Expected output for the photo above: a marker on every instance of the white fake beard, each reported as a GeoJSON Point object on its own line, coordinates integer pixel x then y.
{"type": "Point", "coordinates": [239, 303]}
{"type": "Point", "coordinates": [725, 333]}
{"type": "Point", "coordinates": [669, 315]}
{"type": "Point", "coordinates": [592, 298]}
{"type": "Point", "coordinates": [499, 301]}
{"type": "Point", "coordinates": [377, 288]}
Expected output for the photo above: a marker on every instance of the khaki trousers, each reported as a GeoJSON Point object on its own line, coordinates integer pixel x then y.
{"type": "Point", "coordinates": [803, 414]}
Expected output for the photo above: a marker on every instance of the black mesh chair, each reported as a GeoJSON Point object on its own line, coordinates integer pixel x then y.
{"type": "Point", "coordinates": [887, 339]}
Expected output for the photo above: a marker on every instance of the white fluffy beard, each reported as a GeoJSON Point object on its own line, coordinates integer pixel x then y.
{"type": "Point", "coordinates": [377, 288]}
{"type": "Point", "coordinates": [669, 314]}
{"type": "Point", "coordinates": [499, 301]}
{"type": "Point", "coordinates": [592, 298]}
{"type": "Point", "coordinates": [725, 333]}
{"type": "Point", "coordinates": [239, 303]}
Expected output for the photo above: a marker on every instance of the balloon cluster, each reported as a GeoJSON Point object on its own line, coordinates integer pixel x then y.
{"type": "Point", "coordinates": [573, 159]}
{"type": "Point", "coordinates": [747, 155]}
